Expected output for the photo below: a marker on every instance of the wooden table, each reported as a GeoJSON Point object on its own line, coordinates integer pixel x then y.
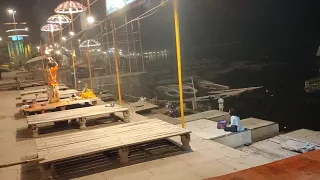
{"type": "Point", "coordinates": [42, 89]}
{"type": "Point", "coordinates": [44, 97]}
{"type": "Point", "coordinates": [120, 137]}
{"type": "Point", "coordinates": [62, 105]}
{"type": "Point", "coordinates": [80, 114]}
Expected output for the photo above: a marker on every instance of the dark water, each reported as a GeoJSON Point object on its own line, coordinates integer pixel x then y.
{"type": "Point", "coordinates": [282, 99]}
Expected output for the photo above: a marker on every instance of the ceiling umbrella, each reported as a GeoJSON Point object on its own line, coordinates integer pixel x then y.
{"type": "Point", "coordinates": [59, 19]}
{"type": "Point", "coordinates": [51, 28]}
{"type": "Point", "coordinates": [89, 44]}
{"type": "Point", "coordinates": [70, 7]}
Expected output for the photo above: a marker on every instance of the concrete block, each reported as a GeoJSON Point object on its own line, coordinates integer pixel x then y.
{"type": "Point", "coordinates": [260, 129]}
{"type": "Point", "coordinates": [235, 139]}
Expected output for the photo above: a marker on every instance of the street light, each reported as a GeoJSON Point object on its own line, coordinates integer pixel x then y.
{"type": "Point", "coordinates": [0, 38]}
{"type": "Point", "coordinates": [14, 20]}
{"type": "Point", "coordinates": [90, 19]}
{"type": "Point", "coordinates": [64, 38]}
{"type": "Point", "coordinates": [71, 33]}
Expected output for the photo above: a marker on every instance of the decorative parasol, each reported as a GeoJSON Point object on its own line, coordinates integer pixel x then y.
{"type": "Point", "coordinates": [70, 7]}
{"type": "Point", "coordinates": [59, 19]}
{"type": "Point", "coordinates": [51, 28]}
{"type": "Point", "coordinates": [89, 44]}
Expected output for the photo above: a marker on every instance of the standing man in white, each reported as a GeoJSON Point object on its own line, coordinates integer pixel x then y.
{"type": "Point", "coordinates": [220, 102]}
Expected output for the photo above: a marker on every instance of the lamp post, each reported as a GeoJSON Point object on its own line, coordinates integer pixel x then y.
{"type": "Point", "coordinates": [14, 20]}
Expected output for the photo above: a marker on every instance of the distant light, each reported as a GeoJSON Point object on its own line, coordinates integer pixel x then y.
{"type": "Point", "coordinates": [90, 20]}
{"type": "Point", "coordinates": [46, 51]}
{"type": "Point", "coordinates": [79, 40]}
{"type": "Point", "coordinates": [11, 11]}
{"type": "Point", "coordinates": [38, 47]}
{"type": "Point", "coordinates": [99, 50]}
{"type": "Point", "coordinates": [64, 38]}
{"type": "Point", "coordinates": [71, 33]}
{"type": "Point", "coordinates": [58, 52]}
{"type": "Point", "coordinates": [104, 52]}
{"type": "Point", "coordinates": [51, 46]}
{"type": "Point", "coordinates": [0, 38]}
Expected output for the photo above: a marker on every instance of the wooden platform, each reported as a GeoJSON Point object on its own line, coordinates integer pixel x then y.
{"type": "Point", "coordinates": [119, 137]}
{"type": "Point", "coordinates": [39, 90]}
{"type": "Point", "coordinates": [62, 105]}
{"type": "Point", "coordinates": [39, 87]}
{"type": "Point", "coordinates": [80, 114]}
{"type": "Point", "coordinates": [301, 167]}
{"type": "Point", "coordinates": [44, 97]}
{"type": "Point", "coordinates": [141, 106]}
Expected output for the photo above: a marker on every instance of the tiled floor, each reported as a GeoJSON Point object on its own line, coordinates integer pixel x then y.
{"type": "Point", "coordinates": [208, 158]}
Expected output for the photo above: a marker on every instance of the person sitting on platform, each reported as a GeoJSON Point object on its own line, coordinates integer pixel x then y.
{"type": "Point", "coordinates": [53, 86]}
{"type": "Point", "coordinates": [235, 125]}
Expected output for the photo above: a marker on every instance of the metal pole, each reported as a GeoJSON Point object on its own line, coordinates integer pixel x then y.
{"type": "Point", "coordinates": [125, 17]}
{"type": "Point", "coordinates": [89, 64]}
{"type": "Point", "coordinates": [178, 49]}
{"type": "Point", "coordinates": [73, 54]}
{"type": "Point", "coordinates": [115, 54]}
{"type": "Point", "coordinates": [142, 58]}
{"type": "Point", "coordinates": [14, 23]}
{"type": "Point", "coordinates": [40, 49]}
{"type": "Point", "coordinates": [194, 94]}
{"type": "Point", "coordinates": [134, 45]}
{"type": "Point", "coordinates": [109, 61]}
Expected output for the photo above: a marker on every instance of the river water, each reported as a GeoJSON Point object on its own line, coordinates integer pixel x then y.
{"type": "Point", "coordinates": [282, 98]}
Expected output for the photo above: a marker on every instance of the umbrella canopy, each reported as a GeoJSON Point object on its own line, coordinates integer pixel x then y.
{"type": "Point", "coordinates": [39, 58]}
{"type": "Point", "coordinates": [51, 27]}
{"type": "Point", "coordinates": [70, 7]}
{"type": "Point", "coordinates": [89, 43]}
{"type": "Point", "coordinates": [59, 19]}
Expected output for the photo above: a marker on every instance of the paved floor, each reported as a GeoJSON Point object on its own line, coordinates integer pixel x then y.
{"type": "Point", "coordinates": [208, 158]}
{"type": "Point", "coordinates": [301, 167]}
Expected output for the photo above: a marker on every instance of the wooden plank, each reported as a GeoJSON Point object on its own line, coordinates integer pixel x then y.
{"type": "Point", "coordinates": [141, 106]}
{"type": "Point", "coordinates": [63, 102]}
{"type": "Point", "coordinates": [40, 87]}
{"type": "Point", "coordinates": [44, 97]}
{"type": "Point", "coordinates": [39, 90]}
{"type": "Point", "coordinates": [80, 143]}
{"type": "Point", "coordinates": [73, 114]}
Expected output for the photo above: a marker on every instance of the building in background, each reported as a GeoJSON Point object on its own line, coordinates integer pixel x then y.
{"type": "Point", "coordinates": [19, 46]}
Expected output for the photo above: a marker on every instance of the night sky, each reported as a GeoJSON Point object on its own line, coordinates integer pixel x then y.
{"type": "Point", "coordinates": [263, 26]}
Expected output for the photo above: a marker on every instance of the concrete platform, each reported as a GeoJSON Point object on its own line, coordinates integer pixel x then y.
{"type": "Point", "coordinates": [213, 115]}
{"type": "Point", "coordinates": [260, 129]}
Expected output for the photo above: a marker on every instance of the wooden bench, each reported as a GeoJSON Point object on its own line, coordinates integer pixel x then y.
{"type": "Point", "coordinates": [39, 90]}
{"type": "Point", "coordinates": [44, 97]}
{"type": "Point", "coordinates": [80, 114]}
{"type": "Point", "coordinates": [61, 105]}
{"type": "Point", "coordinates": [119, 137]}
{"type": "Point", "coordinates": [40, 87]}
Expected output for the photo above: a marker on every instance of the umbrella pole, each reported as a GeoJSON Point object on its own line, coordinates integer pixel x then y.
{"type": "Point", "coordinates": [89, 64]}
{"type": "Point", "coordinates": [52, 38]}
{"type": "Point", "coordinates": [116, 60]}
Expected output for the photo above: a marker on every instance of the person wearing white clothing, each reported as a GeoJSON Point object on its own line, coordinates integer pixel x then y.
{"type": "Point", "coordinates": [220, 102]}
{"type": "Point", "coordinates": [235, 125]}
